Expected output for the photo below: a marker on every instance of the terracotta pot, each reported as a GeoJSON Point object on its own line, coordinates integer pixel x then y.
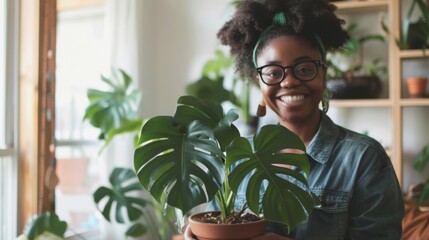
{"type": "Point", "coordinates": [72, 173]}
{"type": "Point", "coordinates": [416, 86]}
{"type": "Point", "coordinates": [207, 231]}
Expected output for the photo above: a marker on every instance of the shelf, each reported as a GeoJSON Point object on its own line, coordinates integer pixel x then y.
{"type": "Point", "coordinates": [414, 102]}
{"type": "Point", "coordinates": [414, 53]}
{"type": "Point", "coordinates": [357, 103]}
{"type": "Point", "coordinates": [355, 6]}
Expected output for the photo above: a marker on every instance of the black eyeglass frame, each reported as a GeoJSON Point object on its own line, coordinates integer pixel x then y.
{"type": "Point", "coordinates": [318, 63]}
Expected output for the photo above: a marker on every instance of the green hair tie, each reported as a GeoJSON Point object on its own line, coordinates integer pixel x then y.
{"type": "Point", "coordinates": [278, 19]}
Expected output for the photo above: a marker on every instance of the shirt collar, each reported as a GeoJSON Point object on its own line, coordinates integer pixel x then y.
{"type": "Point", "coordinates": [323, 142]}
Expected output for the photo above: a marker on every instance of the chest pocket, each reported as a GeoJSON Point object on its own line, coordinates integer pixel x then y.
{"type": "Point", "coordinates": [329, 220]}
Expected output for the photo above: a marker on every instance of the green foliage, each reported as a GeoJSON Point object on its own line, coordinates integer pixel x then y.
{"type": "Point", "coordinates": [210, 86]}
{"type": "Point", "coordinates": [352, 52]}
{"type": "Point", "coordinates": [413, 33]}
{"type": "Point", "coordinates": [114, 111]}
{"type": "Point", "coordinates": [420, 163]}
{"type": "Point", "coordinates": [123, 184]}
{"type": "Point", "coordinates": [45, 222]}
{"type": "Point", "coordinates": [185, 159]}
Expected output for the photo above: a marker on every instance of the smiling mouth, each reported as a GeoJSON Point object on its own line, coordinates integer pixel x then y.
{"type": "Point", "coordinates": [291, 99]}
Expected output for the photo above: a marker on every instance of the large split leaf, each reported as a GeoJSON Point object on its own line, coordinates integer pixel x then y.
{"type": "Point", "coordinates": [282, 201]}
{"type": "Point", "coordinates": [179, 158]}
{"type": "Point", "coordinates": [111, 201]}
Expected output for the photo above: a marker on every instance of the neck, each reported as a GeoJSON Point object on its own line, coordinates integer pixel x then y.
{"type": "Point", "coordinates": [304, 129]}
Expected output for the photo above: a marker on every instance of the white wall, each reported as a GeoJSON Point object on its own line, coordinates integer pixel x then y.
{"type": "Point", "coordinates": [183, 37]}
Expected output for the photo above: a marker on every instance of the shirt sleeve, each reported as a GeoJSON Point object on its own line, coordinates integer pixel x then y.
{"type": "Point", "coordinates": [377, 206]}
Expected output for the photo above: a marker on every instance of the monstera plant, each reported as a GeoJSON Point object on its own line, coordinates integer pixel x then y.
{"type": "Point", "coordinates": [114, 112]}
{"type": "Point", "coordinates": [198, 155]}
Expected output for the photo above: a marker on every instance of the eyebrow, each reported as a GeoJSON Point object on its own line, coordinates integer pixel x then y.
{"type": "Point", "coordinates": [299, 59]}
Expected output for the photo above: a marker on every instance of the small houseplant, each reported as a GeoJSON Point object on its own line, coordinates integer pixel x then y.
{"type": "Point", "coordinates": [46, 225]}
{"type": "Point", "coordinates": [348, 77]}
{"type": "Point", "coordinates": [413, 34]}
{"type": "Point", "coordinates": [198, 155]}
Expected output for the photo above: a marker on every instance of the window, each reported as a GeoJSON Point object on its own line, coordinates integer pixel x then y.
{"type": "Point", "coordinates": [8, 116]}
{"type": "Point", "coordinates": [80, 61]}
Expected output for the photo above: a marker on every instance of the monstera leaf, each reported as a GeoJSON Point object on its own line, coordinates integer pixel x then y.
{"type": "Point", "coordinates": [180, 158]}
{"type": "Point", "coordinates": [45, 222]}
{"type": "Point", "coordinates": [282, 201]}
{"type": "Point", "coordinates": [124, 182]}
{"type": "Point", "coordinates": [112, 109]}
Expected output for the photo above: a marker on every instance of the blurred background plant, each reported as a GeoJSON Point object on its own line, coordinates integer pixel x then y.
{"type": "Point", "coordinates": [114, 112]}
{"type": "Point", "coordinates": [420, 163]}
{"type": "Point", "coordinates": [44, 226]}
{"type": "Point", "coordinates": [349, 60]}
{"type": "Point", "coordinates": [219, 82]}
{"type": "Point", "coordinates": [414, 33]}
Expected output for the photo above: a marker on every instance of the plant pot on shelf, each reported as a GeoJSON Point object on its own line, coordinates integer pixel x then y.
{"type": "Point", "coordinates": [416, 86]}
{"type": "Point", "coordinates": [355, 87]}
{"type": "Point", "coordinates": [215, 231]}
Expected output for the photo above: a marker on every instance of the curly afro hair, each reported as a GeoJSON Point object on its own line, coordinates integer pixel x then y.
{"type": "Point", "coordinates": [304, 18]}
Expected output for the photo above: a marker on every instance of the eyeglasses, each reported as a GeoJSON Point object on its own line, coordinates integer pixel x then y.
{"type": "Point", "coordinates": [304, 71]}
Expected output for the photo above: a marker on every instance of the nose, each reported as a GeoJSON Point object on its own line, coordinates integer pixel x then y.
{"type": "Point", "coordinates": [289, 81]}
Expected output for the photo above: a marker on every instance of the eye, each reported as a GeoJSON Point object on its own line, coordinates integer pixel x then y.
{"type": "Point", "coordinates": [272, 72]}
{"type": "Point", "coordinates": [305, 69]}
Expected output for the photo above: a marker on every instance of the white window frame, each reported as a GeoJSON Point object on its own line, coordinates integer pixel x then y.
{"type": "Point", "coordinates": [10, 73]}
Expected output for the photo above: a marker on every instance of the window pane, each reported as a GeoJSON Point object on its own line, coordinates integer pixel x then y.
{"type": "Point", "coordinates": [2, 74]}
{"type": "Point", "coordinates": [80, 61]}
{"type": "Point", "coordinates": [7, 200]}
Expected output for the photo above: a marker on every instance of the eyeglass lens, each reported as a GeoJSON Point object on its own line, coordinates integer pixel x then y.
{"type": "Point", "coordinates": [303, 71]}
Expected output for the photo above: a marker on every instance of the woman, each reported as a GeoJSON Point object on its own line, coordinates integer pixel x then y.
{"type": "Point", "coordinates": [282, 44]}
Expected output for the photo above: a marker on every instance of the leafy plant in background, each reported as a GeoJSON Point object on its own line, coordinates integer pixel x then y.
{"type": "Point", "coordinates": [352, 54]}
{"type": "Point", "coordinates": [114, 112]}
{"type": "Point", "coordinates": [186, 159]}
{"type": "Point", "coordinates": [44, 226]}
{"type": "Point", "coordinates": [420, 163]}
{"type": "Point", "coordinates": [211, 85]}
{"type": "Point", "coordinates": [413, 34]}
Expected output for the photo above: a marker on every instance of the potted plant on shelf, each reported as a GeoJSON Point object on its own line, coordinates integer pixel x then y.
{"type": "Point", "coordinates": [198, 155]}
{"type": "Point", "coordinates": [113, 111]}
{"type": "Point", "coordinates": [414, 34]}
{"type": "Point", "coordinates": [416, 86]}
{"type": "Point", "coordinates": [348, 77]}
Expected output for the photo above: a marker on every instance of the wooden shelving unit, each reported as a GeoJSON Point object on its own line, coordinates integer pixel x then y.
{"type": "Point", "coordinates": [358, 6]}
{"type": "Point", "coordinates": [395, 103]}
{"type": "Point", "coordinates": [398, 106]}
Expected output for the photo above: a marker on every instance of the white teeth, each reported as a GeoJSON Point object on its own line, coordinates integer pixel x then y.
{"type": "Point", "coordinates": [290, 99]}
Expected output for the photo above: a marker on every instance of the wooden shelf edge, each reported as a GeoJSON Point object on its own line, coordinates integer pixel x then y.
{"type": "Point", "coordinates": [414, 102]}
{"type": "Point", "coordinates": [360, 103]}
{"type": "Point", "coordinates": [414, 53]}
{"type": "Point", "coordinates": [349, 6]}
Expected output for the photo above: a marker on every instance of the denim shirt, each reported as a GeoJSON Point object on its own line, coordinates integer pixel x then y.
{"type": "Point", "coordinates": [354, 179]}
